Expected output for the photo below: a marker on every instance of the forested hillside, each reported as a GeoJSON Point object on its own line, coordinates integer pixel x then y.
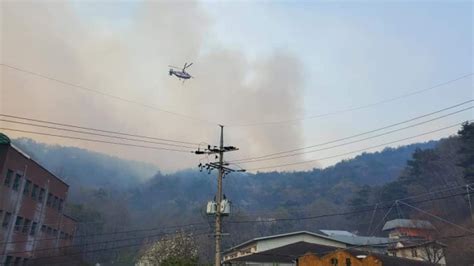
{"type": "Point", "coordinates": [111, 193]}
{"type": "Point", "coordinates": [113, 197]}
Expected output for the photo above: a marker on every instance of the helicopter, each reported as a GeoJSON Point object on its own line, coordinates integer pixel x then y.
{"type": "Point", "coordinates": [181, 74]}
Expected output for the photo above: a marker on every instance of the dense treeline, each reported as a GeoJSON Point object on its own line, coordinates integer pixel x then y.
{"type": "Point", "coordinates": [439, 172]}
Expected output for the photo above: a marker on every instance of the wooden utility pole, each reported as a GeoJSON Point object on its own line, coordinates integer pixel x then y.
{"type": "Point", "coordinates": [223, 170]}
{"type": "Point", "coordinates": [219, 199]}
{"type": "Point", "coordinates": [468, 191]}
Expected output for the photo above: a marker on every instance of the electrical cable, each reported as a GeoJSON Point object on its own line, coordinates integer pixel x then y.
{"type": "Point", "coordinates": [94, 140]}
{"type": "Point", "coordinates": [356, 135]}
{"type": "Point", "coordinates": [336, 214]}
{"type": "Point", "coordinates": [97, 134]}
{"type": "Point", "coordinates": [353, 108]}
{"type": "Point", "coordinates": [259, 221]}
{"type": "Point", "coordinates": [98, 130]}
{"type": "Point", "coordinates": [356, 151]}
{"type": "Point", "coordinates": [111, 233]}
{"type": "Point", "coordinates": [107, 94]}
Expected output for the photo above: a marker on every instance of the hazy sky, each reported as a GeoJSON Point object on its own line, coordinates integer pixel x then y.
{"type": "Point", "coordinates": [254, 62]}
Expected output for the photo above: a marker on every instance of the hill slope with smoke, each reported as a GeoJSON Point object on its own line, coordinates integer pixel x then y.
{"type": "Point", "coordinates": [147, 189]}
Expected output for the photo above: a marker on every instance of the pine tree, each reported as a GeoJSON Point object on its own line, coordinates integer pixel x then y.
{"type": "Point", "coordinates": [466, 135]}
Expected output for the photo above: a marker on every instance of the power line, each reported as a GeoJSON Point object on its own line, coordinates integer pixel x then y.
{"type": "Point", "coordinates": [354, 108]}
{"type": "Point", "coordinates": [356, 247]}
{"type": "Point", "coordinates": [102, 242]}
{"type": "Point", "coordinates": [97, 134]}
{"type": "Point", "coordinates": [354, 136]}
{"type": "Point", "coordinates": [390, 201]}
{"type": "Point", "coordinates": [356, 151]}
{"type": "Point", "coordinates": [111, 233]}
{"type": "Point", "coordinates": [360, 140]}
{"type": "Point", "coordinates": [104, 249]}
{"type": "Point", "coordinates": [98, 130]}
{"type": "Point", "coordinates": [107, 94]}
{"type": "Point", "coordinates": [242, 221]}
{"type": "Point", "coordinates": [337, 213]}
{"type": "Point", "coordinates": [422, 241]}
{"type": "Point", "coordinates": [107, 249]}
{"type": "Point", "coordinates": [94, 140]}
{"type": "Point", "coordinates": [260, 254]}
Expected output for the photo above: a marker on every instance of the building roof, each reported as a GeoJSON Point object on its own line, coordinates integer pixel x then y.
{"type": "Point", "coordinates": [280, 236]}
{"type": "Point", "coordinates": [337, 233]}
{"type": "Point", "coordinates": [340, 236]}
{"type": "Point", "coordinates": [4, 139]}
{"type": "Point", "coordinates": [407, 223]}
{"type": "Point", "coordinates": [355, 240]}
{"type": "Point", "coordinates": [362, 240]}
{"type": "Point", "coordinates": [291, 252]}
{"type": "Point", "coordinates": [288, 253]}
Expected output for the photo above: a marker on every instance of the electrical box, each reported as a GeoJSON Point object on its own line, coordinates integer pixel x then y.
{"type": "Point", "coordinates": [225, 207]}
{"type": "Point", "coordinates": [211, 208]}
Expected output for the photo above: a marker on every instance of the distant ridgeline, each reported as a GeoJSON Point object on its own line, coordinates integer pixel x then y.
{"type": "Point", "coordinates": [84, 168]}
{"type": "Point", "coordinates": [94, 175]}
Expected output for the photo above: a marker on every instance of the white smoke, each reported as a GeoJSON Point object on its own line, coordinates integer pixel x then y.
{"type": "Point", "coordinates": [124, 49]}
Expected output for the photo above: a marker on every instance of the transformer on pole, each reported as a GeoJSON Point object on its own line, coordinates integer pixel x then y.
{"type": "Point", "coordinates": [221, 206]}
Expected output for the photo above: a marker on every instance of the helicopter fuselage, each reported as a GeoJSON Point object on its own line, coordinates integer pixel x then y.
{"type": "Point", "coordinates": [180, 74]}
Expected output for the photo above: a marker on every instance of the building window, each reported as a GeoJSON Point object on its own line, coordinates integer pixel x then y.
{"type": "Point", "coordinates": [348, 262]}
{"type": "Point", "coordinates": [333, 262]}
{"type": "Point", "coordinates": [25, 261]}
{"type": "Point", "coordinates": [18, 223]}
{"type": "Point", "coordinates": [62, 235]}
{"type": "Point", "coordinates": [414, 253]}
{"type": "Point", "coordinates": [60, 206]}
{"type": "Point", "coordinates": [6, 219]}
{"type": "Point", "coordinates": [33, 228]}
{"type": "Point", "coordinates": [26, 225]}
{"type": "Point", "coordinates": [1, 215]}
{"type": "Point", "coordinates": [41, 195]}
{"type": "Point", "coordinates": [50, 199]}
{"type": "Point", "coordinates": [8, 178]}
{"type": "Point", "coordinates": [55, 202]}
{"type": "Point", "coordinates": [34, 191]}
{"type": "Point", "coordinates": [16, 183]}
{"type": "Point", "coordinates": [49, 230]}
{"type": "Point", "coordinates": [43, 228]}
{"type": "Point", "coordinates": [8, 261]}
{"type": "Point", "coordinates": [55, 232]}
{"type": "Point", "coordinates": [26, 190]}
{"type": "Point", "coordinates": [17, 261]}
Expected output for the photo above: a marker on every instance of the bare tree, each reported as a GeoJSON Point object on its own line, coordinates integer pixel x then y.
{"type": "Point", "coordinates": [432, 252]}
{"type": "Point", "coordinates": [179, 249]}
